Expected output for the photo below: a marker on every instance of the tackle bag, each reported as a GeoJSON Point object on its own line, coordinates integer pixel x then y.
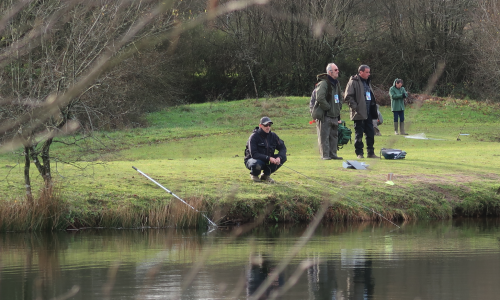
{"type": "Point", "coordinates": [392, 153]}
{"type": "Point", "coordinates": [344, 135]}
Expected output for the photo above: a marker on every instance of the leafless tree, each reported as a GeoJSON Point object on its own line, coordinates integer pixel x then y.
{"type": "Point", "coordinates": [279, 48]}
{"type": "Point", "coordinates": [58, 52]}
{"type": "Point", "coordinates": [49, 46]}
{"type": "Point", "coordinates": [408, 39]}
{"type": "Point", "coordinates": [486, 40]}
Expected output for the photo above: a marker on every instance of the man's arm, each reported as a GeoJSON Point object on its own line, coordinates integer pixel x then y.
{"type": "Point", "coordinates": [341, 95]}
{"type": "Point", "coordinates": [281, 149]}
{"type": "Point", "coordinates": [321, 94]}
{"type": "Point", "coordinates": [253, 148]}
{"type": "Point", "coordinates": [350, 95]}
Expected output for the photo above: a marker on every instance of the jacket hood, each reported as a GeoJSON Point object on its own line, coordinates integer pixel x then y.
{"type": "Point", "coordinates": [325, 76]}
{"type": "Point", "coordinates": [356, 77]}
{"type": "Point", "coordinates": [394, 83]}
{"type": "Point", "coordinates": [322, 76]}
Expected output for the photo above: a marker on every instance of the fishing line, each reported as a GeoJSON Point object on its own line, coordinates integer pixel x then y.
{"type": "Point", "coordinates": [338, 192]}
{"type": "Point", "coordinates": [210, 221]}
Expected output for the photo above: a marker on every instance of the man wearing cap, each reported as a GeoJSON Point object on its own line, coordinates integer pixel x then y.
{"type": "Point", "coordinates": [259, 152]}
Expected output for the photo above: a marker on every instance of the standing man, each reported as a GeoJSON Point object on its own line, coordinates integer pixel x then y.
{"type": "Point", "coordinates": [359, 95]}
{"type": "Point", "coordinates": [326, 111]}
{"type": "Point", "coordinates": [259, 152]}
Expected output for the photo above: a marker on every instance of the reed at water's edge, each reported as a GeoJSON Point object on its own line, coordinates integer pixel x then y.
{"type": "Point", "coordinates": [49, 212]}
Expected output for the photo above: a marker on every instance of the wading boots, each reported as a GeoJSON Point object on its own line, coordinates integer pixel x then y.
{"type": "Point", "coordinates": [266, 178]}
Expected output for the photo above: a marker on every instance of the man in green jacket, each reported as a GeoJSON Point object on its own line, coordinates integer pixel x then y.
{"type": "Point", "coordinates": [326, 111]}
{"type": "Point", "coordinates": [363, 108]}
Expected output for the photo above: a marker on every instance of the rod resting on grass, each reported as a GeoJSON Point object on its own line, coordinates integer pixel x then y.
{"type": "Point", "coordinates": [210, 221]}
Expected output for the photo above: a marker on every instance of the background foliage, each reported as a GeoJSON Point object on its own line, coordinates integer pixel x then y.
{"type": "Point", "coordinates": [276, 48]}
{"type": "Point", "coordinates": [279, 48]}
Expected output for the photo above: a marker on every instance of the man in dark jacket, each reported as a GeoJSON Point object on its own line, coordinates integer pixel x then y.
{"type": "Point", "coordinates": [326, 111]}
{"type": "Point", "coordinates": [363, 108]}
{"type": "Point", "coordinates": [259, 152]}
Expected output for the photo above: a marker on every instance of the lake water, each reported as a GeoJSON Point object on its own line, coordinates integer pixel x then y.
{"type": "Point", "coordinates": [457, 259]}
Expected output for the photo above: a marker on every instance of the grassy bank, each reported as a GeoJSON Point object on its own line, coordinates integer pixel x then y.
{"type": "Point", "coordinates": [196, 151]}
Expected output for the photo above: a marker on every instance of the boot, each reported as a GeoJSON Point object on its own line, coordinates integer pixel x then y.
{"type": "Point", "coordinates": [266, 178]}
{"type": "Point", "coordinates": [396, 128]}
{"type": "Point", "coordinates": [255, 178]}
{"type": "Point", "coordinates": [402, 128]}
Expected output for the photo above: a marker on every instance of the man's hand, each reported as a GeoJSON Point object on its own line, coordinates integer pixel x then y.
{"type": "Point", "coordinates": [275, 161]}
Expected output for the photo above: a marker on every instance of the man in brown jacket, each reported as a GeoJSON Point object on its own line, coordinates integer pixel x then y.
{"type": "Point", "coordinates": [363, 108]}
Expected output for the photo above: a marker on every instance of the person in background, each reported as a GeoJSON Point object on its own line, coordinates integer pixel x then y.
{"type": "Point", "coordinates": [327, 111]}
{"type": "Point", "coordinates": [377, 122]}
{"type": "Point", "coordinates": [363, 108]}
{"type": "Point", "coordinates": [398, 95]}
{"type": "Point", "coordinates": [259, 152]}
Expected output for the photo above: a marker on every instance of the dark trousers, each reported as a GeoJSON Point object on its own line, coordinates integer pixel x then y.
{"type": "Point", "coordinates": [400, 114]}
{"type": "Point", "coordinates": [364, 127]}
{"type": "Point", "coordinates": [256, 166]}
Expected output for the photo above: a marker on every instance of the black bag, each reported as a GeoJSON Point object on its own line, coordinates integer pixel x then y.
{"type": "Point", "coordinates": [392, 153]}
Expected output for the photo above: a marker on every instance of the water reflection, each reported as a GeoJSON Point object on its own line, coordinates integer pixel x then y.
{"type": "Point", "coordinates": [261, 266]}
{"type": "Point", "coordinates": [330, 280]}
{"type": "Point", "coordinates": [433, 260]}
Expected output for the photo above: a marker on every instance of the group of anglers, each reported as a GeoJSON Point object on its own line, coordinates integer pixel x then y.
{"type": "Point", "coordinates": [260, 156]}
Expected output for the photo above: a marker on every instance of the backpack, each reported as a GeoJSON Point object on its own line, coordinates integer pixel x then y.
{"type": "Point", "coordinates": [344, 135]}
{"type": "Point", "coordinates": [312, 102]}
{"type": "Point", "coordinates": [314, 108]}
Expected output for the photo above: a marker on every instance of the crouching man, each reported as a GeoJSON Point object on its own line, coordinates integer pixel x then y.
{"type": "Point", "coordinates": [259, 152]}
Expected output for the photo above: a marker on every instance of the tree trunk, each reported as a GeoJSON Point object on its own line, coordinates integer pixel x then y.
{"type": "Point", "coordinates": [27, 181]}
{"type": "Point", "coordinates": [47, 176]}
{"type": "Point", "coordinates": [43, 166]}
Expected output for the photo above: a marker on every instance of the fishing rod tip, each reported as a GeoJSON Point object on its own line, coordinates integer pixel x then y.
{"type": "Point", "coordinates": [134, 168]}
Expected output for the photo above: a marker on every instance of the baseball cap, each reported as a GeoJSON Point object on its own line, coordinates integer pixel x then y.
{"type": "Point", "coordinates": [265, 120]}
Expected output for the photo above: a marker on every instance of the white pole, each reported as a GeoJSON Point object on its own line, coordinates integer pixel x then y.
{"type": "Point", "coordinates": [211, 223]}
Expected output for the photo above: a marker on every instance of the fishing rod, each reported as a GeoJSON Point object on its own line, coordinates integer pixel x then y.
{"type": "Point", "coordinates": [210, 221]}
{"type": "Point", "coordinates": [367, 208]}
{"type": "Point", "coordinates": [460, 132]}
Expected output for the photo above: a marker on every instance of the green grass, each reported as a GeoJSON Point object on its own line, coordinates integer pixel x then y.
{"type": "Point", "coordinates": [196, 151]}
